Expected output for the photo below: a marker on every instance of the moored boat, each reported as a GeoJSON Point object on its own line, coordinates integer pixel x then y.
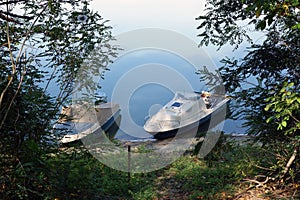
{"type": "Point", "coordinates": [77, 121]}
{"type": "Point", "coordinates": [184, 111]}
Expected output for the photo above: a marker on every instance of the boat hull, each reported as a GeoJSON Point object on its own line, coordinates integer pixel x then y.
{"type": "Point", "coordinates": [94, 128]}
{"type": "Point", "coordinates": [106, 114]}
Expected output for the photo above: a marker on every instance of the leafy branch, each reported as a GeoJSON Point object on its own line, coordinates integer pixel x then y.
{"type": "Point", "coordinates": [14, 63]}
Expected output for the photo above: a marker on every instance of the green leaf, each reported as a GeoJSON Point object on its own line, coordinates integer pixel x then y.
{"type": "Point", "coordinates": [278, 109]}
{"type": "Point", "coordinates": [279, 127]}
{"type": "Point", "coordinates": [268, 107]}
{"type": "Point", "coordinates": [257, 12]}
{"type": "Point", "coordinates": [297, 26]}
{"type": "Point", "coordinates": [291, 84]}
{"type": "Point", "coordinates": [284, 123]}
{"type": "Point", "coordinates": [289, 101]}
{"type": "Point", "coordinates": [269, 119]}
{"type": "Point", "coordinates": [283, 90]}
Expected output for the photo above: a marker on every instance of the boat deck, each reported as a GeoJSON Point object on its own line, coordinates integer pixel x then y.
{"type": "Point", "coordinates": [82, 113]}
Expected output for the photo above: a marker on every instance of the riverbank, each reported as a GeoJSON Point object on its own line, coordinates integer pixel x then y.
{"type": "Point", "coordinates": [234, 169]}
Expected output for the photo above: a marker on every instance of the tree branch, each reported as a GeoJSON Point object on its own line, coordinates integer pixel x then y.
{"type": "Point", "coordinates": [13, 65]}
{"type": "Point", "coordinates": [290, 162]}
{"type": "Point", "coordinates": [3, 13]}
{"type": "Point", "coordinates": [4, 16]}
{"type": "Point", "coordinates": [15, 62]}
{"type": "Point", "coordinates": [8, 19]}
{"type": "Point", "coordinates": [11, 2]}
{"type": "Point", "coordinates": [259, 183]}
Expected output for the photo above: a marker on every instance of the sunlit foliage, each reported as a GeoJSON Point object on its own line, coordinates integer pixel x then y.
{"type": "Point", "coordinates": [265, 82]}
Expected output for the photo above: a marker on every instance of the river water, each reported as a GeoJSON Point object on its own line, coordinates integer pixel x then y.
{"type": "Point", "coordinates": [145, 80]}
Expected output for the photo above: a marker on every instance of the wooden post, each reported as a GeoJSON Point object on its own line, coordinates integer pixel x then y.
{"type": "Point", "coordinates": [129, 160]}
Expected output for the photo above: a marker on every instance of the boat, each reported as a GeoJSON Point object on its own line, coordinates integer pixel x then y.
{"type": "Point", "coordinates": [185, 111]}
{"type": "Point", "coordinates": [80, 120]}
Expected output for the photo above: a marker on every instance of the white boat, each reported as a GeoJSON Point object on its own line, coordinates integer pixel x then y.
{"type": "Point", "coordinates": [77, 121]}
{"type": "Point", "coordinates": [184, 110]}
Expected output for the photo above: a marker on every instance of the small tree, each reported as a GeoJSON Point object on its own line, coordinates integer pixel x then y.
{"type": "Point", "coordinates": [265, 82]}
{"type": "Point", "coordinates": [43, 43]}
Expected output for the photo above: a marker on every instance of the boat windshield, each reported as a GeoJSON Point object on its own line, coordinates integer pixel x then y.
{"type": "Point", "coordinates": [176, 104]}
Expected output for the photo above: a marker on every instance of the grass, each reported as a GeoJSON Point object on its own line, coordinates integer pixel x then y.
{"type": "Point", "coordinates": [216, 177]}
{"type": "Point", "coordinates": [75, 174]}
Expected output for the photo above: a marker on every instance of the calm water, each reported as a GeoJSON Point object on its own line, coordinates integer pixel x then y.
{"type": "Point", "coordinates": [143, 81]}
